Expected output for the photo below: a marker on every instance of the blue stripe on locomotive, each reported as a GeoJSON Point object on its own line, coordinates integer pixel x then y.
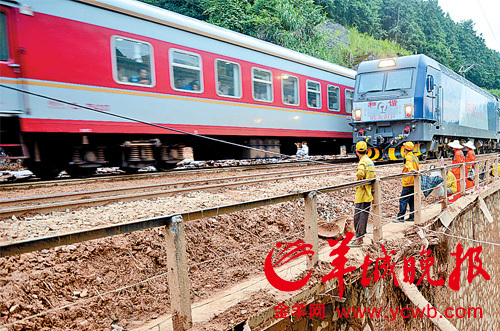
{"type": "Point", "coordinates": [458, 94]}
{"type": "Point", "coordinates": [419, 91]}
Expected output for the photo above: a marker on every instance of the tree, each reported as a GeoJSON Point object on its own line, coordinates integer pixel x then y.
{"type": "Point", "coordinates": [191, 8]}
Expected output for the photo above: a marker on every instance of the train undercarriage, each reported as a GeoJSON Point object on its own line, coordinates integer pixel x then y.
{"type": "Point", "coordinates": [47, 154]}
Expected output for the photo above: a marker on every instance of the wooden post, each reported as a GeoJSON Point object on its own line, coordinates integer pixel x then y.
{"type": "Point", "coordinates": [444, 203]}
{"type": "Point", "coordinates": [418, 199]}
{"type": "Point", "coordinates": [496, 172]}
{"type": "Point", "coordinates": [463, 184]}
{"type": "Point", "coordinates": [311, 226]}
{"type": "Point", "coordinates": [476, 175]}
{"type": "Point", "coordinates": [178, 282]}
{"type": "Point", "coordinates": [377, 211]}
{"type": "Point", "coordinates": [487, 171]}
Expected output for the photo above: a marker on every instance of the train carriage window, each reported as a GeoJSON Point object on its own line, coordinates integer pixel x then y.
{"type": "Point", "coordinates": [133, 62]}
{"type": "Point", "coordinates": [262, 85]}
{"type": "Point", "coordinates": [186, 71]}
{"type": "Point", "coordinates": [348, 100]}
{"type": "Point", "coordinates": [333, 98]}
{"type": "Point", "coordinates": [290, 89]}
{"type": "Point", "coordinates": [4, 45]}
{"type": "Point", "coordinates": [228, 78]}
{"type": "Point", "coordinates": [313, 94]}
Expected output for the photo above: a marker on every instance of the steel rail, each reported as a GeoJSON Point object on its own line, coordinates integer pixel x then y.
{"type": "Point", "coordinates": [137, 192]}
{"type": "Point", "coordinates": [57, 197]}
{"type": "Point", "coordinates": [115, 177]}
{"type": "Point", "coordinates": [25, 246]}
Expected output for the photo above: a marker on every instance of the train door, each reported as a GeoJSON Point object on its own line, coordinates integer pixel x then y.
{"type": "Point", "coordinates": [432, 100]}
{"type": "Point", "coordinates": [12, 101]}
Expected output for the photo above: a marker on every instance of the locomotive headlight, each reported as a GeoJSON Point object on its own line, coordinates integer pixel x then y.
{"type": "Point", "coordinates": [357, 114]}
{"type": "Point", "coordinates": [386, 63]}
{"type": "Point", "coordinates": [409, 110]}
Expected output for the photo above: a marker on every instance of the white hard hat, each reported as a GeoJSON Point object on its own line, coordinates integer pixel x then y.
{"type": "Point", "coordinates": [470, 145]}
{"type": "Point", "coordinates": [455, 144]}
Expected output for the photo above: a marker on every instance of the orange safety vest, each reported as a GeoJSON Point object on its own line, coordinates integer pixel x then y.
{"type": "Point", "coordinates": [471, 156]}
{"type": "Point", "coordinates": [458, 158]}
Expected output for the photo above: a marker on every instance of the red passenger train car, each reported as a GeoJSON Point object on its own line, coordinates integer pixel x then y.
{"type": "Point", "coordinates": [137, 61]}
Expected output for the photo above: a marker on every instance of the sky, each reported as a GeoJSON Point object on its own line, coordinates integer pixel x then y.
{"type": "Point", "coordinates": [485, 13]}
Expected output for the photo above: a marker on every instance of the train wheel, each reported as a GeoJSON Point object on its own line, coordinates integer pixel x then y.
{"type": "Point", "coordinates": [130, 170]}
{"type": "Point", "coordinates": [79, 172]}
{"type": "Point", "coordinates": [165, 166]}
{"type": "Point", "coordinates": [424, 156]}
{"type": "Point", "coordinates": [43, 171]}
{"type": "Point", "coordinates": [443, 153]}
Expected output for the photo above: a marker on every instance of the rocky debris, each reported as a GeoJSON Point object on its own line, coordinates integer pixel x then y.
{"type": "Point", "coordinates": [12, 175]}
{"type": "Point", "coordinates": [337, 35]}
{"type": "Point", "coordinates": [192, 164]}
{"type": "Point", "coordinates": [83, 273]}
{"type": "Point", "coordinates": [112, 170]}
{"type": "Point", "coordinates": [37, 282]}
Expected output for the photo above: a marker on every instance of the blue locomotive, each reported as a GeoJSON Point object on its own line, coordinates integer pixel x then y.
{"type": "Point", "coordinates": [414, 98]}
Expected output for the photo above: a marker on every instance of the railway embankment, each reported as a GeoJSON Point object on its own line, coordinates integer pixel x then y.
{"type": "Point", "coordinates": [467, 299]}
{"type": "Point", "coordinates": [107, 267]}
{"type": "Point", "coordinates": [472, 222]}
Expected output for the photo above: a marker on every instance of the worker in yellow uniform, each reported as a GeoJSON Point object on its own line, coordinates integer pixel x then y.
{"type": "Point", "coordinates": [407, 194]}
{"type": "Point", "coordinates": [364, 196]}
{"type": "Point", "coordinates": [451, 183]}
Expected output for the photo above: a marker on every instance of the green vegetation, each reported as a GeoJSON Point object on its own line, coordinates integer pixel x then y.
{"type": "Point", "coordinates": [495, 92]}
{"type": "Point", "coordinates": [366, 28]}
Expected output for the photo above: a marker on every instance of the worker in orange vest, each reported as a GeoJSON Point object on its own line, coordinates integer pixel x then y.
{"type": "Point", "coordinates": [469, 157]}
{"type": "Point", "coordinates": [458, 157]}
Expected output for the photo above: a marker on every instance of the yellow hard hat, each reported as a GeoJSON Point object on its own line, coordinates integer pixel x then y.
{"type": "Point", "coordinates": [409, 145]}
{"type": "Point", "coordinates": [361, 146]}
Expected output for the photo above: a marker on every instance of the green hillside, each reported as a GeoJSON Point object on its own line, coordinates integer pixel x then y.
{"type": "Point", "coordinates": [346, 32]}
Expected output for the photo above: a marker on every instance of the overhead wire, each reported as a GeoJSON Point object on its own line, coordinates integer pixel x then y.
{"type": "Point", "coordinates": [488, 23]}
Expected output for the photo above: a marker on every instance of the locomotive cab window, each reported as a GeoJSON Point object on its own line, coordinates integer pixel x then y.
{"type": "Point", "coordinates": [371, 82]}
{"type": "Point", "coordinates": [313, 94]}
{"type": "Point", "coordinates": [348, 100]}
{"type": "Point", "coordinates": [262, 84]}
{"type": "Point", "coordinates": [290, 89]}
{"type": "Point", "coordinates": [228, 78]}
{"type": "Point", "coordinates": [133, 62]}
{"type": "Point", "coordinates": [4, 45]}
{"type": "Point", "coordinates": [333, 98]}
{"type": "Point", "coordinates": [399, 79]}
{"type": "Point", "coordinates": [186, 71]}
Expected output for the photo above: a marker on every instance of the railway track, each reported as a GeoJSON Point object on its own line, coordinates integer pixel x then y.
{"type": "Point", "coordinates": [71, 200]}
{"type": "Point", "coordinates": [98, 197]}
{"type": "Point", "coordinates": [35, 183]}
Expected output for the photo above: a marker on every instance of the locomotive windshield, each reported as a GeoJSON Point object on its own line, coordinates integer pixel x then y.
{"type": "Point", "coordinates": [371, 82]}
{"type": "Point", "coordinates": [385, 81]}
{"type": "Point", "coordinates": [399, 79]}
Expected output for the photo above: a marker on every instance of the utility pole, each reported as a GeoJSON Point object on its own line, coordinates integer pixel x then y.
{"type": "Point", "coordinates": [463, 70]}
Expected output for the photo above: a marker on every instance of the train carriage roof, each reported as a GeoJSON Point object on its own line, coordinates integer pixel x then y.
{"type": "Point", "coordinates": [165, 17]}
